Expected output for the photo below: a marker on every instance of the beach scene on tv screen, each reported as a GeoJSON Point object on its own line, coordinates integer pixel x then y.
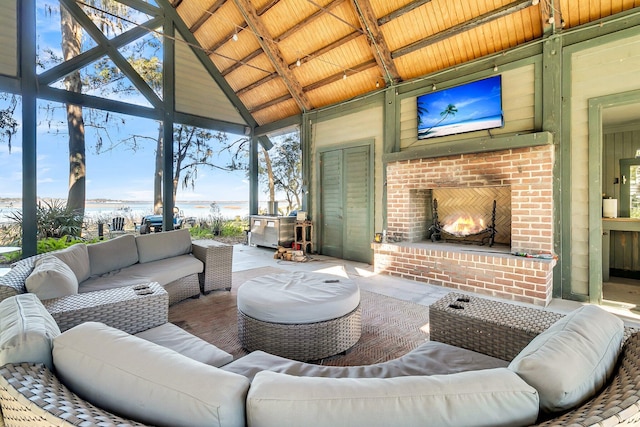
{"type": "Point", "coordinates": [466, 108]}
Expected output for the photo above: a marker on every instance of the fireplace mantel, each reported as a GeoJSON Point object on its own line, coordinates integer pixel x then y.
{"type": "Point", "coordinates": [471, 146]}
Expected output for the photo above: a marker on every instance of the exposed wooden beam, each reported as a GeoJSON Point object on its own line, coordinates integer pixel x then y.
{"type": "Point", "coordinates": [508, 9]}
{"type": "Point", "coordinates": [225, 39]}
{"type": "Point", "coordinates": [376, 41]}
{"type": "Point", "coordinates": [273, 51]}
{"type": "Point", "coordinates": [206, 15]}
{"type": "Point", "coordinates": [338, 76]}
{"type": "Point", "coordinates": [243, 61]}
{"type": "Point", "coordinates": [256, 84]}
{"type": "Point", "coordinates": [305, 59]}
{"type": "Point", "coordinates": [319, 13]}
{"type": "Point", "coordinates": [331, 79]}
{"type": "Point", "coordinates": [403, 10]}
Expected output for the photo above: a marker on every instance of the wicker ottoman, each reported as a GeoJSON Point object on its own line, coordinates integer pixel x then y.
{"type": "Point", "coordinates": [301, 316]}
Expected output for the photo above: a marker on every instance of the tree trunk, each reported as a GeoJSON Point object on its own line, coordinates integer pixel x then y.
{"type": "Point", "coordinates": [71, 47]}
{"type": "Point", "coordinates": [272, 186]}
{"type": "Point", "coordinates": [157, 177]}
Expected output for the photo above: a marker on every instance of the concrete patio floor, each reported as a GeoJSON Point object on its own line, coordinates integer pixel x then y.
{"type": "Point", "coordinates": [251, 257]}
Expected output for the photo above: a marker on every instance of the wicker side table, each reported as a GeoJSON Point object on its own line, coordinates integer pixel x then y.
{"type": "Point", "coordinates": [131, 308]}
{"type": "Point", "coordinates": [218, 260]}
{"type": "Point", "coordinates": [490, 327]}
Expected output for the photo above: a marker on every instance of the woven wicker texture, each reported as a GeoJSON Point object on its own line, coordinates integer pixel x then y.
{"type": "Point", "coordinates": [390, 327]}
{"type": "Point", "coordinates": [218, 261]}
{"type": "Point", "coordinates": [303, 341]}
{"type": "Point", "coordinates": [32, 396]}
{"type": "Point", "coordinates": [491, 327]}
{"type": "Point", "coordinates": [183, 288]}
{"type": "Point", "coordinates": [619, 403]}
{"type": "Point", "coordinates": [131, 309]}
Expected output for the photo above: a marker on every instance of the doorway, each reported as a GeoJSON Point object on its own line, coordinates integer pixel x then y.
{"type": "Point", "coordinates": [617, 139]}
{"type": "Point", "coordinates": [346, 202]}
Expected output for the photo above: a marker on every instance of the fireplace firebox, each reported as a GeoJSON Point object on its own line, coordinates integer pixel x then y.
{"type": "Point", "coordinates": [463, 228]}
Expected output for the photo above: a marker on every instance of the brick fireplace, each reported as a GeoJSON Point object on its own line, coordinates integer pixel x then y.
{"type": "Point", "coordinates": [526, 173]}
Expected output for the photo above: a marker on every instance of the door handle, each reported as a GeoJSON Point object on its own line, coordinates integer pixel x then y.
{"type": "Point", "coordinates": [624, 179]}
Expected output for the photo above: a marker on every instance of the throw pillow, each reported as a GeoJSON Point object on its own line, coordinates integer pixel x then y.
{"type": "Point", "coordinates": [27, 331]}
{"type": "Point", "coordinates": [572, 360]}
{"type": "Point", "coordinates": [77, 258]}
{"type": "Point", "coordinates": [146, 382]}
{"type": "Point", "coordinates": [51, 278]}
{"type": "Point", "coordinates": [112, 255]}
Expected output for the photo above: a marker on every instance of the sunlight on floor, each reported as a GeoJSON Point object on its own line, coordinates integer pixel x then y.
{"type": "Point", "coordinates": [337, 270]}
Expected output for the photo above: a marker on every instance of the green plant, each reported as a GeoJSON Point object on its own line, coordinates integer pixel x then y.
{"type": "Point", "coordinates": [232, 228]}
{"type": "Point", "coordinates": [198, 232]}
{"type": "Point", "coordinates": [48, 244]}
{"type": "Point", "coordinates": [53, 219]}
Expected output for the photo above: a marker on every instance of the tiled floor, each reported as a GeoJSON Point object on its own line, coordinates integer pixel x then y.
{"type": "Point", "coordinates": [249, 257]}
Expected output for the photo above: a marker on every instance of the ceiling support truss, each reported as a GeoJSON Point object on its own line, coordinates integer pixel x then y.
{"type": "Point", "coordinates": [270, 47]}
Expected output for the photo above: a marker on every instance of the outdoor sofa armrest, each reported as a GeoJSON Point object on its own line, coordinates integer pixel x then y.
{"type": "Point", "coordinates": [131, 309]}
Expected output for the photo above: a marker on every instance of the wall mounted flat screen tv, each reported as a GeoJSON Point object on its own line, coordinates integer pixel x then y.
{"type": "Point", "coordinates": [466, 108]}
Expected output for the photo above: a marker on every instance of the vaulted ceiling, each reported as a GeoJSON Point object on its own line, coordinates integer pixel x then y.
{"type": "Point", "coordinates": [284, 57]}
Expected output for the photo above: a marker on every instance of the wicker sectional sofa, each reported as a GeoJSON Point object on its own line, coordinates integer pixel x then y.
{"type": "Point", "coordinates": [80, 281]}
{"type": "Point", "coordinates": [265, 390]}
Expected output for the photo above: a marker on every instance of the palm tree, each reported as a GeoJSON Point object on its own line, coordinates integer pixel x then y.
{"type": "Point", "coordinates": [451, 110]}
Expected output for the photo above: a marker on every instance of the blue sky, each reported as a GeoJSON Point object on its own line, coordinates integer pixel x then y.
{"type": "Point", "coordinates": [120, 174]}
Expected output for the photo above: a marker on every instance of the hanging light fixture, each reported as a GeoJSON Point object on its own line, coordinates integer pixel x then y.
{"type": "Point", "coordinates": [234, 37]}
{"type": "Point", "coordinates": [298, 63]}
{"type": "Point", "coordinates": [344, 76]}
{"type": "Point", "coordinates": [433, 86]}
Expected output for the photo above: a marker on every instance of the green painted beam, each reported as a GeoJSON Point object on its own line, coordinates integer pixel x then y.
{"type": "Point", "coordinates": [470, 146]}
{"type": "Point", "coordinates": [551, 119]}
{"type": "Point", "coordinates": [27, 41]}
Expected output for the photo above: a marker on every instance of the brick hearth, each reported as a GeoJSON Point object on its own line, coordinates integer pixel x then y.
{"type": "Point", "coordinates": [529, 174]}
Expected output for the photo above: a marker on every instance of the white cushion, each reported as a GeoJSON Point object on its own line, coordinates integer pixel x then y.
{"type": "Point", "coordinates": [51, 278]}
{"type": "Point", "coordinates": [113, 254]}
{"type": "Point", "coordinates": [572, 360]}
{"type": "Point", "coordinates": [146, 382]}
{"type": "Point", "coordinates": [26, 331]}
{"type": "Point", "coordinates": [77, 258]}
{"type": "Point", "coordinates": [492, 397]}
{"type": "Point", "coordinates": [155, 246]}
{"type": "Point", "coordinates": [298, 297]}
{"type": "Point", "coordinates": [174, 337]}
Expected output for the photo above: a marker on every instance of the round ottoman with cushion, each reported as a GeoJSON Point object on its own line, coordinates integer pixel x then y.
{"type": "Point", "coordinates": [299, 315]}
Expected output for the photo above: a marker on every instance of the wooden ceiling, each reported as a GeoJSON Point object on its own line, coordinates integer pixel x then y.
{"type": "Point", "coordinates": [284, 57]}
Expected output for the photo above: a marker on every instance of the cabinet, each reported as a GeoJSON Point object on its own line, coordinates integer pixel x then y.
{"type": "Point", "coordinates": [272, 231]}
{"type": "Point", "coordinates": [303, 233]}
